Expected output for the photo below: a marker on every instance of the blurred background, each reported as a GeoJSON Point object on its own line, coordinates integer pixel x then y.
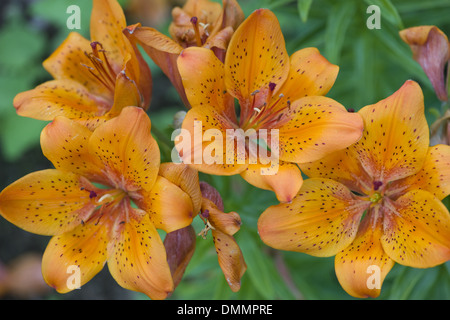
{"type": "Point", "coordinates": [373, 64]}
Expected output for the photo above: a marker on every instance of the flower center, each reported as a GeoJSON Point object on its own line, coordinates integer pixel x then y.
{"type": "Point", "coordinates": [375, 197]}
{"type": "Point", "coordinates": [264, 112]}
{"type": "Point", "coordinates": [101, 69]}
{"type": "Point", "coordinates": [114, 206]}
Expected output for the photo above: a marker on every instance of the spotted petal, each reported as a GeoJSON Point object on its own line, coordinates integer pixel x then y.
{"type": "Point", "coordinates": [138, 260]}
{"type": "Point", "coordinates": [433, 177]}
{"type": "Point", "coordinates": [396, 137]}
{"type": "Point", "coordinates": [310, 74]}
{"type": "Point", "coordinates": [342, 166]}
{"type": "Point", "coordinates": [69, 61]}
{"type": "Point", "coordinates": [315, 127]}
{"type": "Point", "coordinates": [203, 143]}
{"type": "Point", "coordinates": [127, 150]}
{"type": "Point", "coordinates": [231, 259]}
{"type": "Point", "coordinates": [203, 79]}
{"type": "Point", "coordinates": [107, 23]}
{"type": "Point", "coordinates": [80, 252]}
{"type": "Point", "coordinates": [321, 220]}
{"type": "Point", "coordinates": [362, 266]}
{"type": "Point", "coordinates": [59, 97]}
{"type": "Point", "coordinates": [64, 143]}
{"type": "Point", "coordinates": [256, 56]}
{"type": "Point", "coordinates": [47, 202]}
{"type": "Point", "coordinates": [417, 230]}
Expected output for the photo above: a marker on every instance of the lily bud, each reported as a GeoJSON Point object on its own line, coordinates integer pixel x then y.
{"type": "Point", "coordinates": [431, 49]}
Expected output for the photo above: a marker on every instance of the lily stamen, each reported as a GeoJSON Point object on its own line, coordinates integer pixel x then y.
{"type": "Point", "coordinates": [198, 38]}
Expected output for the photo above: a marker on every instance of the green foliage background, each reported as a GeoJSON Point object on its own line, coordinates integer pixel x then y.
{"type": "Point", "coordinates": [373, 64]}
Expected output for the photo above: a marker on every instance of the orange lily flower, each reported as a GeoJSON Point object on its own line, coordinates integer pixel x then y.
{"type": "Point", "coordinates": [201, 23]}
{"type": "Point", "coordinates": [431, 49]}
{"type": "Point", "coordinates": [223, 226]}
{"type": "Point", "coordinates": [374, 204]}
{"type": "Point", "coordinates": [276, 93]}
{"type": "Point", "coordinates": [116, 223]}
{"type": "Point", "coordinates": [93, 80]}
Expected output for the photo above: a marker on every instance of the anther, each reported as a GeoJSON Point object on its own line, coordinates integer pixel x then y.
{"type": "Point", "coordinates": [377, 185]}
{"type": "Point", "coordinates": [205, 213]}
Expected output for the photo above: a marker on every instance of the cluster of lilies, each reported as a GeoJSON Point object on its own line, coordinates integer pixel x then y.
{"type": "Point", "coordinates": [374, 187]}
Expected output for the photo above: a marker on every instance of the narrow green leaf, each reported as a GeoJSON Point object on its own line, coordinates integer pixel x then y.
{"type": "Point", "coordinates": [257, 262]}
{"type": "Point", "coordinates": [336, 30]}
{"type": "Point", "coordinates": [303, 8]}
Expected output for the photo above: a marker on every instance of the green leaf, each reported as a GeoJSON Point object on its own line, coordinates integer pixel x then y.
{"type": "Point", "coordinates": [18, 134]}
{"type": "Point", "coordinates": [338, 22]}
{"type": "Point", "coordinates": [257, 264]}
{"type": "Point", "coordinates": [303, 8]}
{"type": "Point", "coordinates": [21, 45]}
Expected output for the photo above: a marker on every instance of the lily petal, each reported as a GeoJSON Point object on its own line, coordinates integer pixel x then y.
{"type": "Point", "coordinates": [223, 227]}
{"type": "Point", "coordinates": [47, 202]}
{"type": "Point", "coordinates": [310, 74]}
{"type": "Point", "coordinates": [186, 179]}
{"type": "Point", "coordinates": [228, 223]}
{"type": "Point", "coordinates": [82, 250]}
{"type": "Point", "coordinates": [138, 260]}
{"type": "Point", "coordinates": [321, 220]}
{"type": "Point", "coordinates": [127, 150]}
{"type": "Point", "coordinates": [256, 56]}
{"type": "Point", "coordinates": [180, 247]}
{"type": "Point", "coordinates": [204, 144]}
{"type": "Point", "coordinates": [231, 259]}
{"type": "Point", "coordinates": [69, 61]}
{"type": "Point", "coordinates": [63, 142]}
{"type": "Point", "coordinates": [126, 93]}
{"type": "Point", "coordinates": [362, 266]}
{"type": "Point", "coordinates": [162, 50]}
{"type": "Point", "coordinates": [107, 23]}
{"type": "Point", "coordinates": [285, 180]}
{"type": "Point", "coordinates": [203, 79]}
{"type": "Point", "coordinates": [315, 127]}
{"type": "Point", "coordinates": [396, 136]}
{"type": "Point", "coordinates": [169, 207]}
{"type": "Point", "coordinates": [231, 16]}
{"type": "Point", "coordinates": [434, 176]}
{"type": "Point", "coordinates": [342, 166]}
{"type": "Point", "coordinates": [417, 230]}
{"type": "Point", "coordinates": [431, 49]}
{"type": "Point", "coordinates": [59, 97]}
